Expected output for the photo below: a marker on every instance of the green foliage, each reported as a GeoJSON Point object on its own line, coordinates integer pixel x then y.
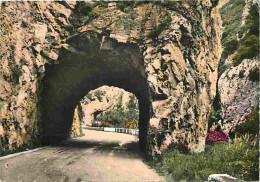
{"type": "Point", "coordinates": [126, 6]}
{"type": "Point", "coordinates": [132, 124]}
{"type": "Point", "coordinates": [231, 17]}
{"type": "Point", "coordinates": [254, 75]}
{"type": "Point", "coordinates": [89, 96]}
{"type": "Point", "coordinates": [99, 94]}
{"type": "Point", "coordinates": [118, 117]}
{"type": "Point", "coordinates": [252, 22]}
{"type": "Point", "coordinates": [120, 100]}
{"type": "Point", "coordinates": [102, 124]}
{"type": "Point", "coordinates": [241, 74]}
{"type": "Point", "coordinates": [82, 15]}
{"type": "Point", "coordinates": [132, 102]}
{"type": "Point", "coordinates": [230, 47]}
{"type": "Point", "coordinates": [238, 159]}
{"type": "Point", "coordinates": [222, 68]}
{"type": "Point", "coordinates": [114, 117]}
{"type": "Point", "coordinates": [215, 114]}
{"type": "Point", "coordinates": [249, 48]}
{"type": "Point", "coordinates": [157, 30]}
{"type": "Point", "coordinates": [101, 3]}
{"type": "Point", "coordinates": [251, 126]}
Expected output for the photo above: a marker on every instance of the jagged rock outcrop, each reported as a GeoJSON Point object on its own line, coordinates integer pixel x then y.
{"type": "Point", "coordinates": [103, 99]}
{"type": "Point", "coordinates": [179, 41]}
{"type": "Point", "coordinates": [239, 93]}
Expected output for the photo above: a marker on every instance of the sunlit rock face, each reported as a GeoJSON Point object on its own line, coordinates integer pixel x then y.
{"type": "Point", "coordinates": [104, 99]}
{"type": "Point", "coordinates": [180, 47]}
{"type": "Point", "coordinates": [76, 128]}
{"type": "Point", "coordinates": [239, 93]}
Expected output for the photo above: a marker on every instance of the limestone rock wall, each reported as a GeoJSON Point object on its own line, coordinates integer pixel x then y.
{"type": "Point", "coordinates": [31, 34]}
{"type": "Point", "coordinates": [180, 42]}
{"type": "Point", "coordinates": [239, 94]}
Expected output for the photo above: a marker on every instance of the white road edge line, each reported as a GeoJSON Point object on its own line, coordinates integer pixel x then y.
{"type": "Point", "coordinates": [19, 153]}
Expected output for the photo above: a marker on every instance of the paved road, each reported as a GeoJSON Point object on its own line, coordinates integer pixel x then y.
{"type": "Point", "coordinates": [97, 156]}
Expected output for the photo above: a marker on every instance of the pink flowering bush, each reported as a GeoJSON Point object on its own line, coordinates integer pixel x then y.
{"type": "Point", "coordinates": [217, 136]}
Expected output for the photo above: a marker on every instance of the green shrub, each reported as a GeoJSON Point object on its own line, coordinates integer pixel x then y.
{"type": "Point", "coordinates": [251, 126]}
{"type": "Point", "coordinates": [157, 30]}
{"type": "Point", "coordinates": [101, 3]}
{"type": "Point", "coordinates": [252, 21]}
{"type": "Point", "coordinates": [133, 124]}
{"type": "Point", "coordinates": [126, 6]}
{"type": "Point", "coordinates": [82, 15]}
{"type": "Point", "coordinates": [230, 47]}
{"type": "Point", "coordinates": [89, 96]}
{"type": "Point", "coordinates": [222, 68]}
{"type": "Point", "coordinates": [120, 101]}
{"type": "Point", "coordinates": [248, 47]}
{"type": "Point", "coordinates": [231, 15]}
{"type": "Point", "coordinates": [99, 94]}
{"type": "Point", "coordinates": [105, 124]}
{"type": "Point", "coordinates": [132, 103]}
{"type": "Point", "coordinates": [238, 159]}
{"type": "Point", "coordinates": [254, 75]}
{"type": "Point", "coordinates": [241, 74]}
{"type": "Point", "coordinates": [119, 117]}
{"type": "Point", "coordinates": [215, 114]}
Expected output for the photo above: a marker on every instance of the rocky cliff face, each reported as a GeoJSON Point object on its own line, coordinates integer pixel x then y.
{"type": "Point", "coordinates": [179, 41]}
{"type": "Point", "coordinates": [30, 35]}
{"type": "Point", "coordinates": [239, 93]}
{"type": "Point", "coordinates": [103, 99]}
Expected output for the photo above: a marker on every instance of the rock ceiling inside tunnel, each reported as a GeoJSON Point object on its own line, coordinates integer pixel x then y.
{"type": "Point", "coordinates": [177, 45]}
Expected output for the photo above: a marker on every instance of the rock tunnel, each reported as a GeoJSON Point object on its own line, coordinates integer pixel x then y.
{"type": "Point", "coordinates": [89, 63]}
{"type": "Point", "coordinates": [167, 57]}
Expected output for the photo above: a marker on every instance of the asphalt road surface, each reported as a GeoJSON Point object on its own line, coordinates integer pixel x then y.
{"type": "Point", "coordinates": [97, 156]}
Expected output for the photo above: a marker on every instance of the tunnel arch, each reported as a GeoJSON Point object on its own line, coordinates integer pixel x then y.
{"type": "Point", "coordinates": [89, 62]}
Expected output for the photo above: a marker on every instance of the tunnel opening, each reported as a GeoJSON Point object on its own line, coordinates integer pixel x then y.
{"type": "Point", "coordinates": [108, 106]}
{"type": "Point", "coordinates": [87, 64]}
{"type": "Point", "coordinates": [106, 109]}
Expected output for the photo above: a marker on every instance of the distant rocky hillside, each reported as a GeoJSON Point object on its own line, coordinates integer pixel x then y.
{"type": "Point", "coordinates": [240, 39]}
{"type": "Point", "coordinates": [104, 99]}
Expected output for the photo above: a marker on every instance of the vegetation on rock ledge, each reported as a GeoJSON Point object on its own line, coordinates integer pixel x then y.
{"type": "Point", "coordinates": [119, 117]}
{"type": "Point", "coordinates": [241, 40]}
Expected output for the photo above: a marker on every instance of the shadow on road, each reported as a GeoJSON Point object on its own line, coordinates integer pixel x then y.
{"type": "Point", "coordinates": [130, 150]}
